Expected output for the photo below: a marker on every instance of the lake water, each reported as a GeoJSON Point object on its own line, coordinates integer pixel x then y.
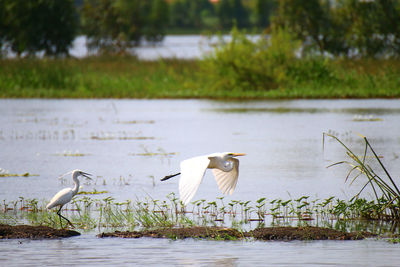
{"type": "Point", "coordinates": [114, 138]}
{"type": "Point", "coordinates": [172, 46]}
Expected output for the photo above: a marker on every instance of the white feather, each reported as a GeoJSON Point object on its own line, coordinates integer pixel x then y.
{"type": "Point", "coordinates": [227, 180]}
{"type": "Point", "coordinates": [62, 197]}
{"type": "Point", "coordinates": [192, 173]}
{"type": "Point", "coordinates": [225, 169]}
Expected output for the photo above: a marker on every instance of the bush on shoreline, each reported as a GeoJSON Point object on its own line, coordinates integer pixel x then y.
{"type": "Point", "coordinates": [242, 69]}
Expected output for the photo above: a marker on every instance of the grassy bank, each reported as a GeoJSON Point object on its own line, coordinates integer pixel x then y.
{"type": "Point", "coordinates": [128, 77]}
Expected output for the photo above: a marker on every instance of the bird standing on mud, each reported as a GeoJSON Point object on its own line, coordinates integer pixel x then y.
{"type": "Point", "coordinates": [225, 168]}
{"type": "Point", "coordinates": [65, 195]}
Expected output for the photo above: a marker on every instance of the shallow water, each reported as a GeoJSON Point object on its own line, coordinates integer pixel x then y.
{"type": "Point", "coordinates": [91, 251]}
{"type": "Point", "coordinates": [130, 144]}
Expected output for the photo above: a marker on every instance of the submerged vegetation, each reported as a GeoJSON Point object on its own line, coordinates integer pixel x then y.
{"type": "Point", "coordinates": [93, 214]}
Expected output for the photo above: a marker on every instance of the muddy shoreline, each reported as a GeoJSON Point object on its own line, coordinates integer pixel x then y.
{"type": "Point", "coordinates": [222, 233]}
{"type": "Point", "coordinates": [34, 232]}
{"type": "Point", "coordinates": [198, 232]}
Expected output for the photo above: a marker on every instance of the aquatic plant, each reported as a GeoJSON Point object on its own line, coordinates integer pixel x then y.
{"type": "Point", "coordinates": [6, 173]}
{"type": "Point", "coordinates": [89, 213]}
{"type": "Point", "coordinates": [68, 153]}
{"type": "Point", "coordinates": [385, 190]}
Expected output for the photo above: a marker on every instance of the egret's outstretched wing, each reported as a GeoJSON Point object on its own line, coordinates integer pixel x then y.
{"type": "Point", "coordinates": [227, 180]}
{"type": "Point", "coordinates": [192, 173]}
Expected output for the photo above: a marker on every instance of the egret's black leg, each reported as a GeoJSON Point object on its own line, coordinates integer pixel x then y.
{"type": "Point", "coordinates": [59, 214]}
{"type": "Point", "coordinates": [170, 176]}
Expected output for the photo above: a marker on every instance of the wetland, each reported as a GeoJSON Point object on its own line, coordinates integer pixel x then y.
{"type": "Point", "coordinates": [129, 145]}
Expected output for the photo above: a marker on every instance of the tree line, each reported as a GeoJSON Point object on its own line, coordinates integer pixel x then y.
{"type": "Point", "coordinates": [362, 28]}
{"type": "Point", "coordinates": [328, 27]}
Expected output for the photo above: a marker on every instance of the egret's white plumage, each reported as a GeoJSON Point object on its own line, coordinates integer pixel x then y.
{"type": "Point", "coordinates": [65, 195]}
{"type": "Point", "coordinates": [224, 167]}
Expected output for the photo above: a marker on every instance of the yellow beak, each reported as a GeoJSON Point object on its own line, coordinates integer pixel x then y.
{"type": "Point", "coordinates": [239, 154]}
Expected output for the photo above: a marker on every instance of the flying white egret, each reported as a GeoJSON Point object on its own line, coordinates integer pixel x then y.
{"type": "Point", "coordinates": [224, 167]}
{"type": "Point", "coordinates": [65, 195]}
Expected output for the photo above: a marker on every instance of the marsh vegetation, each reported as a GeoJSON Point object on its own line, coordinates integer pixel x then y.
{"type": "Point", "coordinates": [95, 211]}
{"type": "Point", "coordinates": [90, 214]}
{"type": "Point", "coordinates": [129, 78]}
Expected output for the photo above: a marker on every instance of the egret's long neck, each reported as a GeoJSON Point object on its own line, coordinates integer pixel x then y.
{"type": "Point", "coordinates": [76, 182]}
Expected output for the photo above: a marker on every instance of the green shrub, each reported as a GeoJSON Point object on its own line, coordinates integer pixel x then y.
{"type": "Point", "coordinates": [243, 64]}
{"type": "Point", "coordinates": [311, 70]}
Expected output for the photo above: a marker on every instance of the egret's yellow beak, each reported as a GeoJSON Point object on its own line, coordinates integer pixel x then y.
{"type": "Point", "coordinates": [239, 154]}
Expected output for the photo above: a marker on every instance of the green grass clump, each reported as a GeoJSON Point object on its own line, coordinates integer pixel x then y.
{"type": "Point", "coordinates": [6, 173]}
{"type": "Point", "coordinates": [97, 77]}
{"type": "Point", "coordinates": [384, 188]}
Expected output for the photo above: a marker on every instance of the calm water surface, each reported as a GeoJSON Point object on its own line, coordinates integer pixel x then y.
{"type": "Point", "coordinates": [130, 144]}
{"type": "Point", "coordinates": [172, 46]}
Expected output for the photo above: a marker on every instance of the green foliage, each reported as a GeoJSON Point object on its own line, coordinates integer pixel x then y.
{"type": "Point", "coordinates": [128, 77]}
{"type": "Point", "coordinates": [94, 77]}
{"type": "Point", "coordinates": [232, 12]}
{"type": "Point", "coordinates": [344, 28]}
{"type": "Point", "coordinates": [311, 21]}
{"type": "Point", "coordinates": [263, 11]}
{"type": "Point", "coordinates": [154, 29]}
{"type": "Point", "coordinates": [190, 14]}
{"type": "Point", "coordinates": [309, 70]}
{"type": "Point", "coordinates": [114, 26]}
{"type": "Point", "coordinates": [89, 213]}
{"type": "Point", "coordinates": [203, 15]}
{"type": "Point", "coordinates": [374, 30]}
{"type": "Point", "coordinates": [38, 25]}
{"type": "Point", "coordinates": [38, 74]}
{"type": "Point", "coordinates": [243, 64]}
{"type": "Point", "coordinates": [385, 189]}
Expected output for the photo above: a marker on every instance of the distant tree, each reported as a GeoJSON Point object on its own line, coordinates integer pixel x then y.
{"type": "Point", "coordinates": [304, 18]}
{"type": "Point", "coordinates": [189, 13]}
{"type": "Point", "coordinates": [158, 17]}
{"type": "Point", "coordinates": [344, 27]}
{"type": "Point", "coordinates": [232, 12]}
{"type": "Point", "coordinates": [315, 24]}
{"type": "Point", "coordinates": [115, 25]}
{"type": "Point", "coordinates": [375, 27]}
{"type": "Point", "coordinates": [263, 11]}
{"type": "Point", "coordinates": [38, 25]}
{"type": "Point", "coordinates": [390, 26]}
{"type": "Point", "coordinates": [199, 10]}
{"type": "Point", "coordinates": [178, 16]}
{"type": "Point", "coordinates": [3, 28]}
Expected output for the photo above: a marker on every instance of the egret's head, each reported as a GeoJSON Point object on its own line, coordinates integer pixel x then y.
{"type": "Point", "coordinates": [79, 172]}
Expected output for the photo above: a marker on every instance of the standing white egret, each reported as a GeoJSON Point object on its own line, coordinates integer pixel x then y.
{"type": "Point", "coordinates": [224, 167]}
{"type": "Point", "coordinates": [65, 195]}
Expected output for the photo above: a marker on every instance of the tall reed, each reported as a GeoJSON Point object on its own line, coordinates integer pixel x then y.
{"type": "Point", "coordinates": [385, 189]}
